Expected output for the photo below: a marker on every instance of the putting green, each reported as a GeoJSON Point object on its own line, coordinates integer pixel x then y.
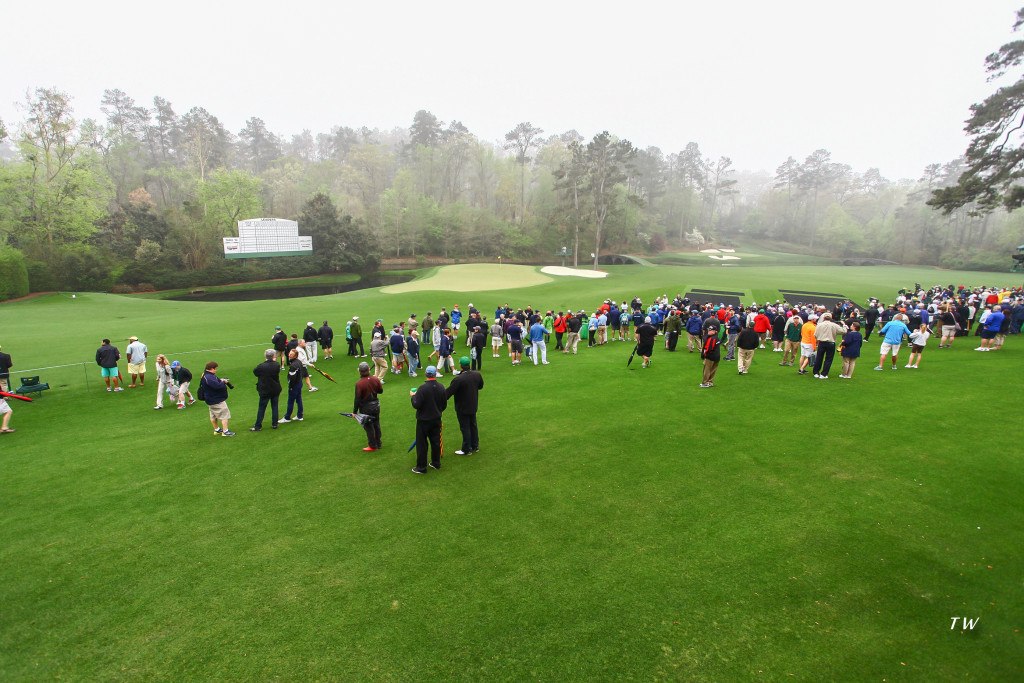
{"type": "Point", "coordinates": [472, 277]}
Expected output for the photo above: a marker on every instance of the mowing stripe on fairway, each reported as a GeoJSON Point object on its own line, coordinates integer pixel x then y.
{"type": "Point", "coordinates": [717, 291]}
{"type": "Point", "coordinates": [718, 298]}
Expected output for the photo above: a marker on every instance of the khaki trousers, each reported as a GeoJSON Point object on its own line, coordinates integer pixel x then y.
{"type": "Point", "coordinates": [710, 368]}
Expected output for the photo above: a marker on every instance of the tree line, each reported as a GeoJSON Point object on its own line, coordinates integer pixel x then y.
{"type": "Point", "coordinates": [143, 197]}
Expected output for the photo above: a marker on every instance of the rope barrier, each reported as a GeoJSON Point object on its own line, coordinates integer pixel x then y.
{"type": "Point", "coordinates": [177, 353]}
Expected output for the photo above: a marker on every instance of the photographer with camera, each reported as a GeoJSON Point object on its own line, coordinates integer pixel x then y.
{"type": "Point", "coordinates": [214, 392]}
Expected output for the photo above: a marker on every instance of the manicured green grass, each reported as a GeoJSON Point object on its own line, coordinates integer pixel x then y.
{"type": "Point", "coordinates": [617, 524]}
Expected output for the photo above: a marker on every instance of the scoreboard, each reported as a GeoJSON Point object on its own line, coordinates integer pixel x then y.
{"type": "Point", "coordinates": [263, 237]}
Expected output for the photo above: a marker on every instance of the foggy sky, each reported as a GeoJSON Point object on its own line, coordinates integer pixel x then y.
{"type": "Point", "coordinates": [884, 84]}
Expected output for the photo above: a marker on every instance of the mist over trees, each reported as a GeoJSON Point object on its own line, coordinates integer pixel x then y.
{"type": "Point", "coordinates": [143, 197]}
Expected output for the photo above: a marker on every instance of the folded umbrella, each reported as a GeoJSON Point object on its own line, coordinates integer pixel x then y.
{"type": "Point", "coordinates": [326, 376]}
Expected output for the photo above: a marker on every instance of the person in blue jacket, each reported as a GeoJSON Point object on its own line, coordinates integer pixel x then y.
{"type": "Point", "coordinates": [540, 347]}
{"type": "Point", "coordinates": [613, 320]}
{"type": "Point", "coordinates": [397, 343]}
{"type": "Point", "coordinates": [444, 352]}
{"type": "Point", "coordinates": [850, 350]}
{"type": "Point", "coordinates": [693, 329]}
{"type": "Point", "coordinates": [412, 351]}
{"type": "Point", "coordinates": [734, 325]}
{"type": "Point", "coordinates": [991, 329]}
{"type": "Point", "coordinates": [215, 395]}
{"type": "Point", "coordinates": [892, 333]}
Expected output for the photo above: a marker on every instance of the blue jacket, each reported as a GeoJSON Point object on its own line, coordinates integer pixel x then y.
{"type": "Point", "coordinates": [445, 349]}
{"type": "Point", "coordinates": [215, 390]}
{"type": "Point", "coordinates": [994, 320]}
{"type": "Point", "coordinates": [894, 331]}
{"type": "Point", "coordinates": [852, 341]}
{"type": "Point", "coordinates": [693, 324]}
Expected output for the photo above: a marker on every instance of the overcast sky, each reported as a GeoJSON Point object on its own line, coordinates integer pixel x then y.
{"type": "Point", "coordinates": [884, 84]}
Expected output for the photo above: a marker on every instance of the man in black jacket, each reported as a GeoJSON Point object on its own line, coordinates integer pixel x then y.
{"type": "Point", "coordinates": [870, 318]}
{"type": "Point", "coordinates": [466, 389]}
{"type": "Point", "coordinates": [280, 340]}
{"type": "Point", "coordinates": [645, 335]}
{"type": "Point", "coordinates": [326, 336]}
{"type": "Point", "coordinates": [429, 400]}
{"type": "Point", "coordinates": [747, 341]}
{"type": "Point", "coordinates": [296, 372]}
{"type": "Point", "coordinates": [268, 386]}
{"type": "Point", "coordinates": [574, 323]}
{"type": "Point", "coordinates": [107, 357]}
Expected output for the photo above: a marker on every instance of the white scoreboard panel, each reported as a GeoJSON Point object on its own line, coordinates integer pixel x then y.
{"type": "Point", "coordinates": [262, 237]}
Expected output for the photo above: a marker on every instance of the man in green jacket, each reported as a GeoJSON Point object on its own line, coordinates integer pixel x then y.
{"type": "Point", "coordinates": [673, 326]}
{"type": "Point", "coordinates": [357, 337]}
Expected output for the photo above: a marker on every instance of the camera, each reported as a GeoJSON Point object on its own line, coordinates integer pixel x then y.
{"type": "Point", "coordinates": [230, 385]}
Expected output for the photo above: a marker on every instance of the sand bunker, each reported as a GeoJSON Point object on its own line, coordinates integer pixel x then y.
{"type": "Point", "coordinates": [577, 272]}
{"type": "Point", "coordinates": [472, 277]}
{"type": "Point", "coordinates": [725, 258]}
{"type": "Point", "coordinates": [709, 251]}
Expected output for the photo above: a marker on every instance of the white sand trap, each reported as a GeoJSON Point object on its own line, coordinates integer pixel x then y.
{"type": "Point", "coordinates": [725, 258]}
{"type": "Point", "coordinates": [709, 251]}
{"type": "Point", "coordinates": [577, 272]}
{"type": "Point", "coordinates": [472, 277]}
{"type": "Point", "coordinates": [728, 251]}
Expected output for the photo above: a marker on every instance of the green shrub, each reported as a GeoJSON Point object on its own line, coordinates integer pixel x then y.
{"type": "Point", "coordinates": [13, 274]}
{"type": "Point", "coordinates": [42, 277]}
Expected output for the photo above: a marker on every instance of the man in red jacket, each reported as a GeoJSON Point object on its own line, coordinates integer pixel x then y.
{"type": "Point", "coordinates": [762, 325]}
{"type": "Point", "coordinates": [559, 327]}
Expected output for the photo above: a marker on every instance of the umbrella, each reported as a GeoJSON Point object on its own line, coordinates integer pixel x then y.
{"type": "Point", "coordinates": [630, 361]}
{"type": "Point", "coordinates": [358, 417]}
{"type": "Point", "coordinates": [6, 394]}
{"type": "Point", "coordinates": [326, 376]}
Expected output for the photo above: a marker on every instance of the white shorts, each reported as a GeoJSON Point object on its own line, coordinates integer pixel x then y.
{"type": "Point", "coordinates": [4, 408]}
{"type": "Point", "coordinates": [890, 349]}
{"type": "Point", "coordinates": [806, 350]}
